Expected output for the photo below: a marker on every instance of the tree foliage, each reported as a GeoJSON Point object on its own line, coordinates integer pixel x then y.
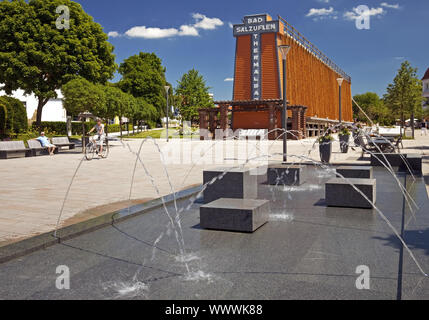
{"type": "Point", "coordinates": [37, 57]}
{"type": "Point", "coordinates": [193, 94]}
{"type": "Point", "coordinates": [404, 95]}
{"type": "Point", "coordinates": [374, 107]}
{"type": "Point", "coordinates": [80, 95]}
{"type": "Point", "coordinates": [143, 76]}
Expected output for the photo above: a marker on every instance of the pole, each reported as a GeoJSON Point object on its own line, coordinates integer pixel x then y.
{"type": "Point", "coordinates": [284, 118]}
{"type": "Point", "coordinates": [340, 107]}
{"type": "Point", "coordinates": [166, 117]}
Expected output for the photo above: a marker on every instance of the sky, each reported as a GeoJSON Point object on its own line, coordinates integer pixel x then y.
{"type": "Point", "coordinates": [197, 34]}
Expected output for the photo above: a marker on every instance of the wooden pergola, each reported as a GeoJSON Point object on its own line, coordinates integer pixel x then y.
{"type": "Point", "coordinates": [217, 118]}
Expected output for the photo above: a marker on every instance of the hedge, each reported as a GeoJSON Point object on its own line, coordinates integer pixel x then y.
{"type": "Point", "coordinates": [58, 127]}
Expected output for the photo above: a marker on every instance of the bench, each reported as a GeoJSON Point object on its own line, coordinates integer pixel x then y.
{"type": "Point", "coordinates": [13, 149]}
{"type": "Point", "coordinates": [62, 142]}
{"type": "Point", "coordinates": [253, 134]}
{"type": "Point", "coordinates": [36, 148]}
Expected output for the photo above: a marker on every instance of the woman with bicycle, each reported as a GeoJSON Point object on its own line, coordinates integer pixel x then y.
{"type": "Point", "coordinates": [101, 135]}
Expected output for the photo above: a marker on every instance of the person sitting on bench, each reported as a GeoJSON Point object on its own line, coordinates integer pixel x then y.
{"type": "Point", "coordinates": [44, 141]}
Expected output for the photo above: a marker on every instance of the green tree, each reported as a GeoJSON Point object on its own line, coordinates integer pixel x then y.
{"type": "Point", "coordinates": [404, 95]}
{"type": "Point", "coordinates": [146, 112]}
{"type": "Point", "coordinates": [374, 107]}
{"type": "Point", "coordinates": [38, 57]}
{"type": "Point", "coordinates": [143, 76]}
{"type": "Point", "coordinates": [114, 100]}
{"type": "Point", "coordinates": [194, 94]}
{"type": "Point", "coordinates": [80, 95]}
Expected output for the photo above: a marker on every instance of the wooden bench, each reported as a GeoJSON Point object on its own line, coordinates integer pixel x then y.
{"type": "Point", "coordinates": [36, 148]}
{"type": "Point", "coordinates": [13, 149]}
{"type": "Point", "coordinates": [62, 142]}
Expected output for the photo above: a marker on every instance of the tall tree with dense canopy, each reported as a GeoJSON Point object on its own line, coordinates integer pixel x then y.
{"type": "Point", "coordinates": [194, 94]}
{"type": "Point", "coordinates": [143, 76]}
{"type": "Point", "coordinates": [37, 57]}
{"type": "Point", "coordinates": [404, 95]}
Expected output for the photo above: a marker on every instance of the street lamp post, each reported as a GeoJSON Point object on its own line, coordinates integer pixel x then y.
{"type": "Point", "coordinates": [167, 88]}
{"type": "Point", "coordinates": [284, 49]}
{"type": "Point", "coordinates": [340, 83]}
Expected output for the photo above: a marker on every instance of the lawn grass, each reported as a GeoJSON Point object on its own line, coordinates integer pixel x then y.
{"type": "Point", "coordinates": [156, 134]}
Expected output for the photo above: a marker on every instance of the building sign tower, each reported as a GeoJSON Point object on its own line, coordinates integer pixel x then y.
{"type": "Point", "coordinates": [255, 26]}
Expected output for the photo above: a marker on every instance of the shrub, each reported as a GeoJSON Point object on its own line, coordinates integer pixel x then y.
{"type": "Point", "coordinates": [3, 119]}
{"type": "Point", "coordinates": [17, 114]}
{"type": "Point", "coordinates": [60, 128]}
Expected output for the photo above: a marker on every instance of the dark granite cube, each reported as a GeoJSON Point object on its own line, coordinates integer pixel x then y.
{"type": "Point", "coordinates": [395, 159]}
{"type": "Point", "coordinates": [286, 174]}
{"type": "Point", "coordinates": [230, 183]}
{"type": "Point", "coordinates": [340, 193]}
{"type": "Point", "coordinates": [414, 163]}
{"type": "Point", "coordinates": [358, 172]}
{"type": "Point", "coordinates": [240, 215]}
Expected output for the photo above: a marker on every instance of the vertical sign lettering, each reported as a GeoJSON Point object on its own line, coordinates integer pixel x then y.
{"type": "Point", "coordinates": [255, 26]}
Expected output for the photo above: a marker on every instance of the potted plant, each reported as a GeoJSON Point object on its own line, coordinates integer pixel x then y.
{"type": "Point", "coordinates": [344, 136]}
{"type": "Point", "coordinates": [325, 147]}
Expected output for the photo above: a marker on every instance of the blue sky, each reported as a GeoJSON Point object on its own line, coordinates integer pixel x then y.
{"type": "Point", "coordinates": [196, 34]}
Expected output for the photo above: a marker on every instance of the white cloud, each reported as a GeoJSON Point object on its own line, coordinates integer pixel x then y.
{"type": "Point", "coordinates": [151, 33]}
{"type": "Point", "coordinates": [320, 12]}
{"type": "Point", "coordinates": [230, 25]}
{"type": "Point", "coordinates": [188, 31]}
{"type": "Point", "coordinates": [323, 1]}
{"type": "Point", "coordinates": [201, 22]}
{"type": "Point", "coordinates": [355, 14]}
{"type": "Point", "coordinates": [390, 6]}
{"type": "Point", "coordinates": [113, 34]}
{"type": "Point", "coordinates": [228, 79]}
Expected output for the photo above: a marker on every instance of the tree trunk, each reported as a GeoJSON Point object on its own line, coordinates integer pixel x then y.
{"type": "Point", "coordinates": [120, 126]}
{"type": "Point", "coordinates": [41, 103]}
{"type": "Point", "coordinates": [412, 124]}
{"type": "Point", "coordinates": [402, 124]}
{"type": "Point", "coordinates": [133, 127]}
{"type": "Point", "coordinates": [107, 128]}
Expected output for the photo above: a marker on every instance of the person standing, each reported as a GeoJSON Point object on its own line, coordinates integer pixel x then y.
{"type": "Point", "coordinates": [424, 128]}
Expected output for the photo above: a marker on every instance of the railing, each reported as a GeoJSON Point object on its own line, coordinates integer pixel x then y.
{"type": "Point", "coordinates": [299, 38]}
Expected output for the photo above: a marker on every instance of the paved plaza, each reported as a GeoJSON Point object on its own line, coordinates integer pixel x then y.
{"type": "Point", "coordinates": [32, 190]}
{"type": "Point", "coordinates": [305, 251]}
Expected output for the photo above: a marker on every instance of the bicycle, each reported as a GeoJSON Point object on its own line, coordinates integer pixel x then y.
{"type": "Point", "coordinates": [93, 148]}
